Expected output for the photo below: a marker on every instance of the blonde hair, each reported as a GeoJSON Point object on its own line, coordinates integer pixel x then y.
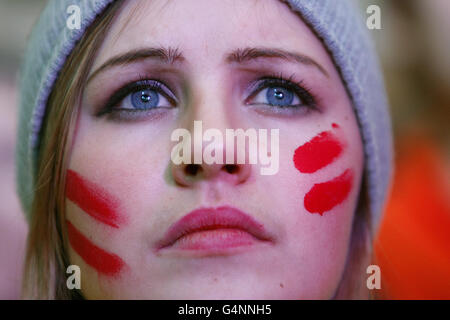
{"type": "Point", "coordinates": [46, 255]}
{"type": "Point", "coordinates": [353, 283]}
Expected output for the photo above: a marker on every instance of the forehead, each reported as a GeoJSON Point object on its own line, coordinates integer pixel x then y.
{"type": "Point", "coordinates": [205, 30]}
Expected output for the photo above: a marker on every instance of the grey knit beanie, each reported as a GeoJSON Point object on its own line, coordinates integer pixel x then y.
{"type": "Point", "coordinates": [337, 23]}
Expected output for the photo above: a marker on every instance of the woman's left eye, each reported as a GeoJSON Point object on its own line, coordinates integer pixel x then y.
{"type": "Point", "coordinates": [277, 92]}
{"type": "Point", "coordinates": [278, 96]}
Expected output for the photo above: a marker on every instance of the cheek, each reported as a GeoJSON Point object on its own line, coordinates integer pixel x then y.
{"type": "Point", "coordinates": [104, 262]}
{"type": "Point", "coordinates": [108, 189]}
{"type": "Point", "coordinates": [326, 195]}
{"type": "Point", "coordinates": [93, 199]}
{"type": "Point", "coordinates": [98, 203]}
{"type": "Point", "coordinates": [322, 151]}
{"type": "Point", "coordinates": [115, 177]}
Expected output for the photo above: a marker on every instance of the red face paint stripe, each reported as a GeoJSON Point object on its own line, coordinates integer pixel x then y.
{"type": "Point", "coordinates": [92, 199]}
{"type": "Point", "coordinates": [317, 153]}
{"type": "Point", "coordinates": [104, 262]}
{"type": "Point", "coordinates": [325, 196]}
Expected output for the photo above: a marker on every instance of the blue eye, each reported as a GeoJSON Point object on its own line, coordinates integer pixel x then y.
{"type": "Point", "coordinates": [277, 92]}
{"type": "Point", "coordinates": [278, 96]}
{"type": "Point", "coordinates": [144, 95]}
{"type": "Point", "coordinates": [144, 99]}
{"type": "Point", "coordinates": [138, 99]}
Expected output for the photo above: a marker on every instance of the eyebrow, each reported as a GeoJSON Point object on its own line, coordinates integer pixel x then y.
{"type": "Point", "coordinates": [172, 55]}
{"type": "Point", "coordinates": [166, 55]}
{"type": "Point", "coordinates": [248, 54]}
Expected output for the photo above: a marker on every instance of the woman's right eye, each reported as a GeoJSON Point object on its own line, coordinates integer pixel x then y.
{"type": "Point", "coordinates": [139, 97]}
{"type": "Point", "coordinates": [143, 99]}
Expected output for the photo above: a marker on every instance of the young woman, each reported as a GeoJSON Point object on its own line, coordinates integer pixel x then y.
{"type": "Point", "coordinates": [99, 108]}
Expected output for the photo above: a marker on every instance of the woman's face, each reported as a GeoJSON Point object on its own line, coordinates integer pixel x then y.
{"type": "Point", "coordinates": [260, 236]}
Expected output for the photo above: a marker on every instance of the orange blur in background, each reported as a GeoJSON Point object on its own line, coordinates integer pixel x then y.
{"type": "Point", "coordinates": [413, 244]}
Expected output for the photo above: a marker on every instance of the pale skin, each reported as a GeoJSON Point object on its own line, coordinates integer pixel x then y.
{"type": "Point", "coordinates": [131, 158]}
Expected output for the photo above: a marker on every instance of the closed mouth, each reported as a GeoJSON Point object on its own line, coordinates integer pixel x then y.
{"type": "Point", "coordinates": [214, 229]}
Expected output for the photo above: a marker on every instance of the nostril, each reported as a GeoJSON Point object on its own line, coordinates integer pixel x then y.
{"type": "Point", "coordinates": [231, 168]}
{"type": "Point", "coordinates": [192, 169]}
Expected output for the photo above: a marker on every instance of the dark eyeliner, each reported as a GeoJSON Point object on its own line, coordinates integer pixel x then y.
{"type": "Point", "coordinates": [277, 80]}
{"type": "Point", "coordinates": [129, 88]}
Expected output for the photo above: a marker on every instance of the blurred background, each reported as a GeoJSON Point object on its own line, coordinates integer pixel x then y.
{"type": "Point", "coordinates": [412, 247]}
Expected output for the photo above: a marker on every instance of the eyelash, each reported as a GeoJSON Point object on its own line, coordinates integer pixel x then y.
{"type": "Point", "coordinates": [278, 80]}
{"type": "Point", "coordinates": [141, 84]}
{"type": "Point", "coordinates": [272, 80]}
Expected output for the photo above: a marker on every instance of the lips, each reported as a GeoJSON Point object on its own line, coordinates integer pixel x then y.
{"type": "Point", "coordinates": [214, 229]}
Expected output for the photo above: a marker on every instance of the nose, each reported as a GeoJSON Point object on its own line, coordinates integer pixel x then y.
{"type": "Point", "coordinates": [205, 147]}
{"type": "Point", "coordinates": [191, 173]}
